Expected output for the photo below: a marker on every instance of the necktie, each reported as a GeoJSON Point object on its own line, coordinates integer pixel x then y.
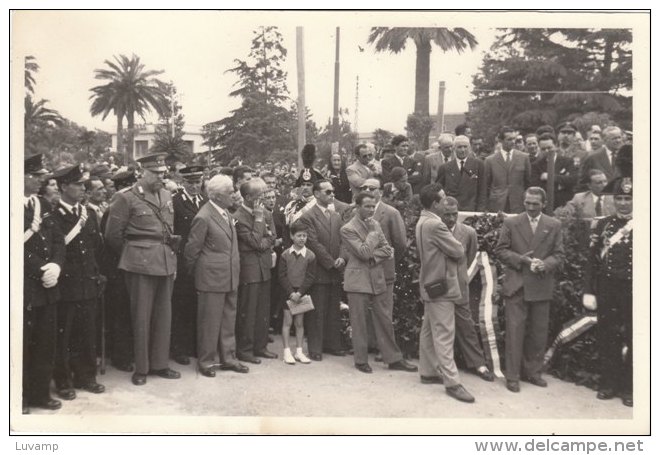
{"type": "Point", "coordinates": [533, 223]}
{"type": "Point", "coordinates": [75, 211]}
{"type": "Point", "coordinates": [461, 164]}
{"type": "Point", "coordinates": [508, 157]}
{"type": "Point", "coordinates": [327, 213]}
{"type": "Point", "coordinates": [599, 206]}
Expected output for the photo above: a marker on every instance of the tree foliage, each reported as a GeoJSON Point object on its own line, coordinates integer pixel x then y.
{"type": "Point", "coordinates": [382, 137]}
{"type": "Point", "coordinates": [31, 68]}
{"type": "Point", "coordinates": [348, 139]}
{"type": "Point", "coordinates": [169, 131]}
{"type": "Point", "coordinates": [553, 64]}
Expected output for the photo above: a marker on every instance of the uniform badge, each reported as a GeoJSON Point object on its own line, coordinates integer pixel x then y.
{"type": "Point", "coordinates": [576, 161]}
{"type": "Point", "coordinates": [307, 175]}
{"type": "Point", "coordinates": [626, 185]}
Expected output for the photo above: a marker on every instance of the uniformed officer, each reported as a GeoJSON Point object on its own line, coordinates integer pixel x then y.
{"type": "Point", "coordinates": [187, 203]}
{"type": "Point", "coordinates": [80, 284]}
{"type": "Point", "coordinates": [608, 290]}
{"type": "Point", "coordinates": [43, 256]}
{"type": "Point", "coordinates": [140, 225]}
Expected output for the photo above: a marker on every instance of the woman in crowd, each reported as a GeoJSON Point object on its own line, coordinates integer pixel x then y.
{"type": "Point", "coordinates": [337, 176]}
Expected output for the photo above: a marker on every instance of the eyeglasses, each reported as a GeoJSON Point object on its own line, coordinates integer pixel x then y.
{"type": "Point", "coordinates": [369, 188]}
{"type": "Point", "coordinates": [329, 192]}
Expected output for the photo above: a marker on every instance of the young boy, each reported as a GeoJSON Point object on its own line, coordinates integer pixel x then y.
{"type": "Point", "coordinates": [297, 270]}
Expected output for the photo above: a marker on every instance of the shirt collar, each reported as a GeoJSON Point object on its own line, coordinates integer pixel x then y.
{"type": "Point", "coordinates": [68, 206]}
{"type": "Point", "coordinates": [302, 252]}
{"type": "Point", "coordinates": [538, 218]}
{"type": "Point", "coordinates": [504, 153]}
{"type": "Point", "coordinates": [220, 210]}
{"type": "Point", "coordinates": [247, 208]}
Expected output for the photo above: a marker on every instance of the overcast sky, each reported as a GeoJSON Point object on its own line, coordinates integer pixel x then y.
{"type": "Point", "coordinates": [196, 48]}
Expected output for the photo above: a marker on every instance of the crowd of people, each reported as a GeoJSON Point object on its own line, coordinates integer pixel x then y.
{"type": "Point", "coordinates": [150, 263]}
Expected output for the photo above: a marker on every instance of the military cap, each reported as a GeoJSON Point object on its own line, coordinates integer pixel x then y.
{"type": "Point", "coordinates": [124, 178]}
{"type": "Point", "coordinates": [154, 162]}
{"type": "Point", "coordinates": [34, 164]}
{"type": "Point", "coordinates": [71, 174]}
{"type": "Point", "coordinates": [101, 171]}
{"type": "Point", "coordinates": [566, 126]}
{"type": "Point", "coordinates": [620, 186]}
{"type": "Point", "coordinates": [192, 173]}
{"type": "Point", "coordinates": [543, 129]}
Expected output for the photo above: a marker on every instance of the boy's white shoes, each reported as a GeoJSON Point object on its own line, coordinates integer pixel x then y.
{"type": "Point", "coordinates": [301, 357]}
{"type": "Point", "coordinates": [288, 358]}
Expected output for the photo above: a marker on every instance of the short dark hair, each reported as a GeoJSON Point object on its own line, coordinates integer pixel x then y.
{"type": "Point", "coordinates": [548, 137]}
{"type": "Point", "coordinates": [504, 130]}
{"type": "Point", "coordinates": [461, 129]}
{"type": "Point", "coordinates": [297, 226]}
{"type": "Point", "coordinates": [362, 196]}
{"type": "Point", "coordinates": [536, 191]}
{"type": "Point", "coordinates": [268, 175]}
{"type": "Point", "coordinates": [429, 194]}
{"type": "Point", "coordinates": [88, 182]}
{"type": "Point", "coordinates": [317, 184]}
{"type": "Point", "coordinates": [399, 139]}
{"type": "Point", "coordinates": [240, 171]}
{"type": "Point", "coordinates": [527, 136]}
{"type": "Point", "coordinates": [359, 147]}
{"type": "Point", "coordinates": [593, 172]}
{"type": "Point", "coordinates": [387, 149]}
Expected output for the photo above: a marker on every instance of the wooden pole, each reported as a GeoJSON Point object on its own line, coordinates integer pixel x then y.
{"type": "Point", "coordinates": [335, 107]}
{"type": "Point", "coordinates": [300, 60]}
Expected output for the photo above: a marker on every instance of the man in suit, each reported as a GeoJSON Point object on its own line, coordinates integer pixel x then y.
{"type": "Point", "coordinates": [434, 160]}
{"type": "Point", "coordinates": [595, 140]}
{"type": "Point", "coordinates": [256, 237]}
{"type": "Point", "coordinates": [565, 172]}
{"type": "Point", "coordinates": [508, 174]}
{"type": "Point", "coordinates": [43, 258]}
{"type": "Point", "coordinates": [463, 178]}
{"type": "Point", "coordinates": [466, 335]}
{"type": "Point", "coordinates": [323, 324]}
{"type": "Point", "coordinates": [532, 146]}
{"type": "Point", "coordinates": [401, 159]}
{"type": "Point", "coordinates": [568, 145]}
{"type": "Point", "coordinates": [531, 249]}
{"type": "Point", "coordinates": [593, 203]}
{"type": "Point", "coordinates": [365, 248]}
{"type": "Point", "coordinates": [363, 168]}
{"type": "Point", "coordinates": [211, 256]}
{"type": "Point", "coordinates": [605, 158]}
{"type": "Point", "coordinates": [439, 255]}
{"type": "Point", "coordinates": [140, 225]}
{"type": "Point", "coordinates": [187, 203]}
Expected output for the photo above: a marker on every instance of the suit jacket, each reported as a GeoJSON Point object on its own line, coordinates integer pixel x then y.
{"type": "Point", "coordinates": [364, 254]}
{"type": "Point", "coordinates": [507, 182]}
{"type": "Point", "coordinates": [432, 163]}
{"type": "Point", "coordinates": [468, 238]}
{"type": "Point", "coordinates": [412, 167]}
{"type": "Point", "coordinates": [255, 244]}
{"type": "Point", "coordinates": [468, 186]}
{"type": "Point", "coordinates": [566, 176]}
{"type": "Point", "coordinates": [357, 173]}
{"type": "Point", "coordinates": [394, 229]}
{"type": "Point", "coordinates": [439, 255]}
{"type": "Point", "coordinates": [324, 240]}
{"type": "Point", "coordinates": [43, 247]}
{"type": "Point", "coordinates": [211, 252]}
{"type": "Point", "coordinates": [184, 212]}
{"type": "Point", "coordinates": [134, 229]}
{"type": "Point", "coordinates": [516, 239]}
{"type": "Point", "coordinates": [597, 160]}
{"type": "Point", "coordinates": [584, 202]}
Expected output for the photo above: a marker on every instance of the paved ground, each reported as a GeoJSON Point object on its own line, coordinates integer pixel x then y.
{"type": "Point", "coordinates": [331, 388]}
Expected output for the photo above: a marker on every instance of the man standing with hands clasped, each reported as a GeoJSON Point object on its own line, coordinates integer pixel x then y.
{"type": "Point", "coordinates": [531, 249]}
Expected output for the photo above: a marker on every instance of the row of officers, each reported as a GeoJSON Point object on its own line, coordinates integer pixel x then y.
{"type": "Point", "coordinates": [65, 275]}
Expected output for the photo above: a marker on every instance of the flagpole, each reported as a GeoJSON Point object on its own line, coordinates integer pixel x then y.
{"type": "Point", "coordinates": [301, 92]}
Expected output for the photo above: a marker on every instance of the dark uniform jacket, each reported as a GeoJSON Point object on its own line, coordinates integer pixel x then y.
{"type": "Point", "coordinates": [43, 247]}
{"type": "Point", "coordinates": [255, 245]}
{"type": "Point", "coordinates": [80, 273]}
{"type": "Point", "coordinates": [616, 263]}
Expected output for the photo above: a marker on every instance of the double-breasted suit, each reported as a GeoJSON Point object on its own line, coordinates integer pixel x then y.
{"type": "Point", "coordinates": [468, 185]}
{"type": "Point", "coordinates": [528, 294]}
{"type": "Point", "coordinates": [211, 256]}
{"type": "Point", "coordinates": [566, 177]}
{"type": "Point", "coordinates": [506, 182]}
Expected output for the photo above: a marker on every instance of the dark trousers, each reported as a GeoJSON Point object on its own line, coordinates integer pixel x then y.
{"type": "Point", "coordinates": [253, 317]}
{"type": "Point", "coordinates": [526, 336]}
{"type": "Point", "coordinates": [39, 340]}
{"type": "Point", "coordinates": [466, 337]}
{"type": "Point", "coordinates": [75, 361]}
{"type": "Point", "coordinates": [613, 331]}
{"type": "Point", "coordinates": [118, 321]}
{"type": "Point", "coordinates": [323, 323]}
{"type": "Point", "coordinates": [184, 316]}
{"type": "Point", "coordinates": [151, 318]}
{"type": "Point", "coordinates": [277, 302]}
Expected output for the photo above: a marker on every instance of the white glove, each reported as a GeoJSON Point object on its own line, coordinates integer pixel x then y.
{"type": "Point", "coordinates": [589, 302]}
{"type": "Point", "coordinates": [51, 272]}
{"type": "Point", "coordinates": [49, 283]}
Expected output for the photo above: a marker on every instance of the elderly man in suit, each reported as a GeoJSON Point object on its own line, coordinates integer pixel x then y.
{"type": "Point", "coordinates": [323, 324]}
{"type": "Point", "coordinates": [463, 178]}
{"type": "Point", "coordinates": [365, 248]}
{"type": "Point", "coordinates": [508, 174]}
{"type": "Point", "coordinates": [593, 203]}
{"type": "Point", "coordinates": [363, 168]}
{"type": "Point", "coordinates": [604, 159]}
{"type": "Point", "coordinates": [256, 237]}
{"type": "Point", "coordinates": [433, 161]}
{"type": "Point", "coordinates": [440, 290]}
{"type": "Point", "coordinates": [563, 167]}
{"type": "Point", "coordinates": [531, 249]}
{"type": "Point", "coordinates": [211, 256]}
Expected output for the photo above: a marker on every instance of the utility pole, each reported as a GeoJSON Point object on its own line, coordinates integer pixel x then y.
{"type": "Point", "coordinates": [335, 108]}
{"type": "Point", "coordinates": [300, 64]}
{"type": "Point", "coordinates": [357, 103]}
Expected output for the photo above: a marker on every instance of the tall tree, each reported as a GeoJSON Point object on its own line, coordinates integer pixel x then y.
{"type": "Point", "coordinates": [31, 68]}
{"type": "Point", "coordinates": [169, 131]}
{"type": "Point", "coordinates": [394, 39]}
{"type": "Point", "coordinates": [130, 90]}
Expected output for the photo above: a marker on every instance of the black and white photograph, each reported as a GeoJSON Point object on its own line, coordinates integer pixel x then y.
{"type": "Point", "coordinates": [329, 222]}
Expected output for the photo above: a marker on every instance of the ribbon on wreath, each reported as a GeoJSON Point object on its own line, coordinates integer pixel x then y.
{"type": "Point", "coordinates": [570, 331]}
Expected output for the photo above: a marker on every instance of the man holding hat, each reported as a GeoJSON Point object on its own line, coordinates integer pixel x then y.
{"type": "Point", "coordinates": [43, 257]}
{"type": "Point", "coordinates": [140, 226]}
{"type": "Point", "coordinates": [187, 203]}
{"type": "Point", "coordinates": [81, 284]}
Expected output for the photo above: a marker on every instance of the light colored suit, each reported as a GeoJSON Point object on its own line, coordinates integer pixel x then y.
{"type": "Point", "coordinates": [528, 295]}
{"type": "Point", "coordinates": [432, 163]}
{"type": "Point", "coordinates": [211, 255]}
{"type": "Point", "coordinates": [439, 255]}
{"type": "Point", "coordinates": [506, 183]}
{"type": "Point", "coordinates": [357, 173]}
{"type": "Point", "coordinates": [584, 202]}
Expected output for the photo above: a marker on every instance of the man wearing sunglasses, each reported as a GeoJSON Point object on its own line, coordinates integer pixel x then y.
{"type": "Point", "coordinates": [363, 168]}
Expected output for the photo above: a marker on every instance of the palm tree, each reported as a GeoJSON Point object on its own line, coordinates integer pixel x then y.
{"type": "Point", "coordinates": [31, 67]}
{"type": "Point", "coordinates": [130, 90]}
{"type": "Point", "coordinates": [37, 114]}
{"type": "Point", "coordinates": [394, 39]}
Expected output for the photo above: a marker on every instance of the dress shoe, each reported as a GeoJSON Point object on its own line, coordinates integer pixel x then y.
{"type": "Point", "coordinates": [431, 379]}
{"type": "Point", "coordinates": [66, 394]}
{"type": "Point", "coordinates": [248, 358]}
{"type": "Point", "coordinates": [402, 365]}
{"type": "Point", "coordinates": [606, 394]}
{"type": "Point", "coordinates": [627, 399]}
{"type": "Point", "coordinates": [486, 375]}
{"type": "Point", "coordinates": [336, 352]}
{"type": "Point", "coordinates": [537, 381]}
{"type": "Point", "coordinates": [458, 392]}
{"type": "Point", "coordinates": [121, 366]}
{"type": "Point", "coordinates": [316, 357]}
{"type": "Point", "coordinates": [139, 379]}
{"type": "Point", "coordinates": [378, 358]}
{"type": "Point", "coordinates": [266, 354]}
{"type": "Point", "coordinates": [92, 387]}
{"type": "Point", "coordinates": [208, 372]}
{"type": "Point", "coordinates": [363, 367]}
{"type": "Point", "coordinates": [181, 359]}
{"type": "Point", "coordinates": [513, 386]}
{"type": "Point", "coordinates": [237, 367]}
{"type": "Point", "coordinates": [166, 373]}
{"type": "Point", "coordinates": [50, 404]}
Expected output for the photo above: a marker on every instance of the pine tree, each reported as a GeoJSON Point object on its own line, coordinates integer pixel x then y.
{"type": "Point", "coordinates": [169, 131]}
